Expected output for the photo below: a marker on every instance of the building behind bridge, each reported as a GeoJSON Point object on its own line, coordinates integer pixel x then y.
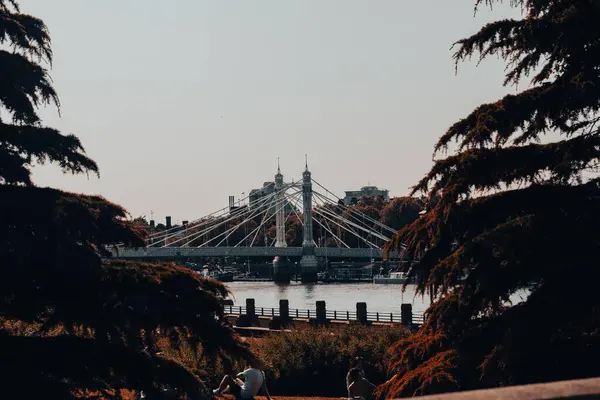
{"type": "Point", "coordinates": [268, 188]}
{"type": "Point", "coordinates": [257, 194]}
{"type": "Point", "coordinates": [354, 196]}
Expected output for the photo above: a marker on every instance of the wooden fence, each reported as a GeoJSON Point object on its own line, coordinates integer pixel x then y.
{"type": "Point", "coordinates": [405, 317]}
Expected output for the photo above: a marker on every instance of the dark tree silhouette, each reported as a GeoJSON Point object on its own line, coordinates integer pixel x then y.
{"type": "Point", "coordinates": [518, 213]}
{"type": "Point", "coordinates": [69, 322]}
{"type": "Point", "coordinates": [401, 211]}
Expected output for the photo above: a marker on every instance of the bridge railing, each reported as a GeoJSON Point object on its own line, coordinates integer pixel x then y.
{"type": "Point", "coordinates": [406, 318]}
{"type": "Point", "coordinates": [256, 251]}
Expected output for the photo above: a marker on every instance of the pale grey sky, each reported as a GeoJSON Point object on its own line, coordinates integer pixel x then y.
{"type": "Point", "coordinates": [184, 105]}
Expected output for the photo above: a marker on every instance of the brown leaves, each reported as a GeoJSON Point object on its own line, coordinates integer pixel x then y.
{"type": "Point", "coordinates": [60, 366]}
{"type": "Point", "coordinates": [556, 41]}
{"type": "Point", "coordinates": [72, 323]}
{"type": "Point", "coordinates": [121, 310]}
{"type": "Point", "coordinates": [481, 170]}
{"type": "Point", "coordinates": [517, 214]}
{"type": "Point", "coordinates": [420, 366]}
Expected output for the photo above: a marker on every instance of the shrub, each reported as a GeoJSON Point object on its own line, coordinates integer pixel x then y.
{"type": "Point", "coordinates": [314, 361]}
{"type": "Point", "coordinates": [309, 361]}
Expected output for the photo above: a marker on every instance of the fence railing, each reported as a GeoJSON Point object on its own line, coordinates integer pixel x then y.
{"type": "Point", "coordinates": [407, 317]}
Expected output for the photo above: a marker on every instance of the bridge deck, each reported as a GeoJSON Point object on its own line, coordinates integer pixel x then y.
{"type": "Point", "coordinates": [172, 252]}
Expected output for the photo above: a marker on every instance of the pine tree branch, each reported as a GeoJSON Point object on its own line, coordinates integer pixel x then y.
{"type": "Point", "coordinates": [25, 33]}
{"type": "Point", "coordinates": [536, 233]}
{"type": "Point", "coordinates": [24, 86]}
{"type": "Point", "coordinates": [5, 5]}
{"type": "Point", "coordinates": [60, 366]}
{"type": "Point", "coordinates": [485, 169]}
{"type": "Point", "coordinates": [24, 144]}
{"type": "Point", "coordinates": [447, 233]}
{"type": "Point", "coordinates": [562, 106]}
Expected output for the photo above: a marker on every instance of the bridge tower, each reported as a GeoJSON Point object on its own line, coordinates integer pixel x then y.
{"type": "Point", "coordinates": [282, 270]}
{"type": "Point", "coordinates": [280, 210]}
{"type": "Point", "coordinates": [308, 262]}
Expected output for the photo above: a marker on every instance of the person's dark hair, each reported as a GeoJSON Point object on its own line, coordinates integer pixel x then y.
{"type": "Point", "coordinates": [227, 365]}
{"type": "Point", "coordinates": [354, 374]}
{"type": "Point", "coordinates": [355, 361]}
{"type": "Point", "coordinates": [253, 363]}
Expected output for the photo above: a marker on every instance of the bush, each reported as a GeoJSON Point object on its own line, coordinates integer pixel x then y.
{"type": "Point", "coordinates": [309, 361]}
{"type": "Point", "coordinates": [314, 361]}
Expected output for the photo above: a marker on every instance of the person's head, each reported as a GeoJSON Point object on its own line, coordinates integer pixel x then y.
{"type": "Point", "coordinates": [354, 375]}
{"type": "Point", "coordinates": [357, 362]}
{"type": "Point", "coordinates": [227, 365]}
{"type": "Point", "coordinates": [253, 363]}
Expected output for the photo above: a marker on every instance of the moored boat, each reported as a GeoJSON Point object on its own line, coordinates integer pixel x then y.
{"type": "Point", "coordinates": [218, 274]}
{"type": "Point", "coordinates": [392, 278]}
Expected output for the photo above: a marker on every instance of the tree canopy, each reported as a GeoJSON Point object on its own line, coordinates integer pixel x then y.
{"type": "Point", "coordinates": [69, 322]}
{"type": "Point", "coordinates": [518, 212]}
{"type": "Point", "coordinates": [401, 211]}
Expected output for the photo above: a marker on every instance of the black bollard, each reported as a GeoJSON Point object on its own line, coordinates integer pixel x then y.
{"type": "Point", "coordinates": [250, 308]}
{"type": "Point", "coordinates": [321, 312]}
{"type": "Point", "coordinates": [284, 310]}
{"type": "Point", "coordinates": [361, 313]}
{"type": "Point", "coordinates": [406, 314]}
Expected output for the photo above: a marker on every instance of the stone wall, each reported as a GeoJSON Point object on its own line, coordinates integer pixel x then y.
{"type": "Point", "coordinates": [576, 389]}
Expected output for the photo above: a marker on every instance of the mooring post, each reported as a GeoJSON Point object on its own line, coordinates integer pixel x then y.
{"type": "Point", "coordinates": [250, 308]}
{"type": "Point", "coordinates": [321, 312]}
{"type": "Point", "coordinates": [406, 314]}
{"type": "Point", "coordinates": [361, 313]}
{"type": "Point", "coordinates": [284, 309]}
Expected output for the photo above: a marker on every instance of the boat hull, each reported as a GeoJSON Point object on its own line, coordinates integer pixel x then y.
{"type": "Point", "coordinates": [390, 281]}
{"type": "Point", "coordinates": [224, 278]}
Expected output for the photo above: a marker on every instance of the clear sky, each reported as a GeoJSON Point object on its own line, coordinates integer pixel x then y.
{"type": "Point", "coordinates": [184, 105]}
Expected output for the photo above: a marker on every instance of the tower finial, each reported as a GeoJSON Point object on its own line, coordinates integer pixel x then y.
{"type": "Point", "coordinates": [306, 162]}
{"type": "Point", "coordinates": [278, 169]}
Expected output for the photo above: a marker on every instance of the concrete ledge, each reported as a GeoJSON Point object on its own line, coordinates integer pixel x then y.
{"type": "Point", "coordinates": [576, 389]}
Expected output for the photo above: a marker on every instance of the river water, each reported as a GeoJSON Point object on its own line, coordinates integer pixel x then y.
{"type": "Point", "coordinates": [337, 296]}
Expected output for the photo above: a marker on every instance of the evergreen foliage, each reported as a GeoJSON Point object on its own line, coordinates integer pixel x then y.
{"type": "Point", "coordinates": [69, 323]}
{"type": "Point", "coordinates": [518, 212]}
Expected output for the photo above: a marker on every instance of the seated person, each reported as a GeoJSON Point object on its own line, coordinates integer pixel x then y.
{"type": "Point", "coordinates": [359, 386]}
{"type": "Point", "coordinates": [358, 363]}
{"type": "Point", "coordinates": [253, 381]}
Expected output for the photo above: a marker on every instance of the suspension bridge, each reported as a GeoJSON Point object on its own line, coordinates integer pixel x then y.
{"type": "Point", "coordinates": [247, 231]}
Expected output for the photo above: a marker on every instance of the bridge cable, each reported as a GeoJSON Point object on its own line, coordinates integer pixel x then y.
{"type": "Point", "coordinates": [196, 234]}
{"type": "Point", "coordinates": [213, 214]}
{"type": "Point", "coordinates": [370, 244]}
{"type": "Point", "coordinates": [347, 221]}
{"type": "Point", "coordinates": [328, 230]}
{"type": "Point", "coordinates": [259, 226]}
{"type": "Point", "coordinates": [379, 223]}
{"type": "Point", "coordinates": [232, 230]}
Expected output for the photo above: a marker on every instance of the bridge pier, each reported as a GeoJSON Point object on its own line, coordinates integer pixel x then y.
{"type": "Point", "coordinates": [309, 267]}
{"type": "Point", "coordinates": [282, 270]}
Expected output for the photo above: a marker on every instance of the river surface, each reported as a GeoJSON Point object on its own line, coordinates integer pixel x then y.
{"type": "Point", "coordinates": [337, 296]}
